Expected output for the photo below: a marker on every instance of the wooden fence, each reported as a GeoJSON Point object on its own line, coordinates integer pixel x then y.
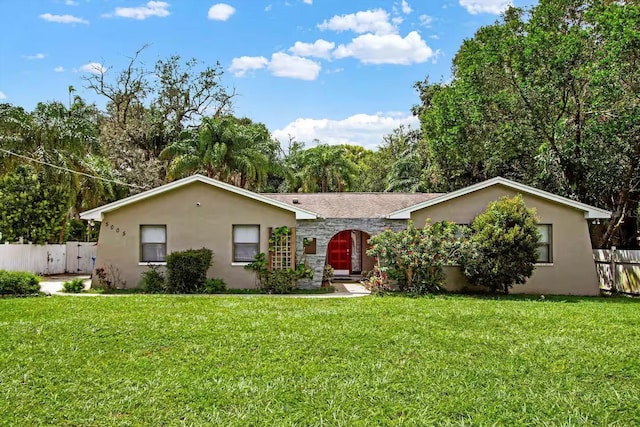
{"type": "Point", "coordinates": [618, 270]}
{"type": "Point", "coordinates": [72, 257]}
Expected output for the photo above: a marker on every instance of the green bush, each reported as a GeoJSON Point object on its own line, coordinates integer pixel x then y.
{"type": "Point", "coordinates": [214, 286]}
{"type": "Point", "coordinates": [327, 274]}
{"type": "Point", "coordinates": [18, 283]}
{"type": "Point", "coordinates": [74, 286]}
{"type": "Point", "coordinates": [30, 208]}
{"type": "Point", "coordinates": [187, 270]}
{"type": "Point", "coordinates": [503, 245]}
{"type": "Point", "coordinates": [376, 281]}
{"type": "Point", "coordinates": [282, 281]}
{"type": "Point", "coordinates": [152, 281]}
{"type": "Point", "coordinates": [277, 281]}
{"type": "Point", "coordinates": [415, 257]}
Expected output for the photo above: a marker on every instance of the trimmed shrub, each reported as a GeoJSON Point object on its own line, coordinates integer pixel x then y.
{"type": "Point", "coordinates": [282, 281]}
{"type": "Point", "coordinates": [18, 283]}
{"type": "Point", "coordinates": [152, 281]}
{"type": "Point", "coordinates": [503, 245]}
{"type": "Point", "coordinates": [74, 286]}
{"type": "Point", "coordinates": [214, 286]}
{"type": "Point", "coordinates": [187, 270]}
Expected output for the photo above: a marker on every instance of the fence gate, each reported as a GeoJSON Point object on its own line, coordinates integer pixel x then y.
{"type": "Point", "coordinates": [79, 257]}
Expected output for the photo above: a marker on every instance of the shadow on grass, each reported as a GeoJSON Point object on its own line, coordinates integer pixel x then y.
{"type": "Point", "coordinates": [571, 299]}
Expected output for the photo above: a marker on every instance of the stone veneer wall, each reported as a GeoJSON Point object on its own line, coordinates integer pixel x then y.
{"type": "Point", "coordinates": [324, 229]}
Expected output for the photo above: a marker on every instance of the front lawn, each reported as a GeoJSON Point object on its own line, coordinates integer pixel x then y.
{"type": "Point", "coordinates": [176, 360]}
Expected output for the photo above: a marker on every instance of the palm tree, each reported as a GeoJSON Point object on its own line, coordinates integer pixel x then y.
{"type": "Point", "coordinates": [326, 168]}
{"type": "Point", "coordinates": [228, 149]}
{"type": "Point", "coordinates": [63, 143]}
{"type": "Point", "coordinates": [405, 174]}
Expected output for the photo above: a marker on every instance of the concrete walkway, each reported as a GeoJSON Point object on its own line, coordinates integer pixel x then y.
{"type": "Point", "coordinates": [54, 286]}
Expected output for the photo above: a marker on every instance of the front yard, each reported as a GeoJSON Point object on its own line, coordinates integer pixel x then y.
{"type": "Point", "coordinates": [175, 360]}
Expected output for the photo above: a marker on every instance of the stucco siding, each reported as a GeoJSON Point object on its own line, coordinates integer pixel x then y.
{"type": "Point", "coordinates": [572, 271]}
{"type": "Point", "coordinates": [196, 215]}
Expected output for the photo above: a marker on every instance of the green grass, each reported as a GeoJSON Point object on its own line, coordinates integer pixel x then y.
{"type": "Point", "coordinates": [260, 361]}
{"type": "Point", "coordinates": [323, 290]}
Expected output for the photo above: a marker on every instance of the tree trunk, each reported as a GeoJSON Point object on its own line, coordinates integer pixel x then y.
{"type": "Point", "coordinates": [617, 219]}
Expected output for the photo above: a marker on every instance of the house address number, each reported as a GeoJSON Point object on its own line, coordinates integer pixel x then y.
{"type": "Point", "coordinates": [114, 228]}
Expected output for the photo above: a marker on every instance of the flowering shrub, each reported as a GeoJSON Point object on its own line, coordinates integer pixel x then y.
{"type": "Point", "coordinates": [414, 257]}
{"type": "Point", "coordinates": [377, 282]}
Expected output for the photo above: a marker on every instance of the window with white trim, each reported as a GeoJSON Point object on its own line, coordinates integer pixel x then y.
{"type": "Point", "coordinates": [545, 255]}
{"type": "Point", "coordinates": [246, 242]}
{"type": "Point", "coordinates": [153, 243]}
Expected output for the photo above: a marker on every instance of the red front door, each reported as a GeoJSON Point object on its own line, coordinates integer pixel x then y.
{"type": "Point", "coordinates": [339, 251]}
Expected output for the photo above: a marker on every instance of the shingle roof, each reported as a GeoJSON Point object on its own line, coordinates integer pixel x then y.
{"type": "Point", "coordinates": [352, 205]}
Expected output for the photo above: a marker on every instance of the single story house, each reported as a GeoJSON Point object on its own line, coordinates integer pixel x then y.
{"type": "Point", "coordinates": [327, 228]}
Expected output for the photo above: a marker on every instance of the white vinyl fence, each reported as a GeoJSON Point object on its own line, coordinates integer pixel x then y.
{"type": "Point", "coordinates": [618, 270]}
{"type": "Point", "coordinates": [72, 257]}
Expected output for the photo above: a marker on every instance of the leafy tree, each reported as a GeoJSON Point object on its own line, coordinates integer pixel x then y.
{"type": "Point", "coordinates": [30, 208]}
{"type": "Point", "coordinates": [415, 257]}
{"type": "Point", "coordinates": [62, 145]}
{"type": "Point", "coordinates": [147, 109]}
{"type": "Point", "coordinates": [546, 96]}
{"type": "Point", "coordinates": [503, 245]}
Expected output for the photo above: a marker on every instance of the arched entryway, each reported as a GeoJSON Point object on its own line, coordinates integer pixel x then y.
{"type": "Point", "coordinates": [346, 253]}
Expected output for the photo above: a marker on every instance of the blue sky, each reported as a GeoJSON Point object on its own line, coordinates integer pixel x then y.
{"type": "Point", "coordinates": [336, 70]}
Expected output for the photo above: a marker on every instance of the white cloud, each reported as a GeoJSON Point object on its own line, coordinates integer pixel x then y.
{"type": "Point", "coordinates": [308, 1]}
{"type": "Point", "coordinates": [71, 3]}
{"type": "Point", "coordinates": [221, 12]}
{"type": "Point", "coordinates": [295, 67]}
{"type": "Point", "coordinates": [406, 9]}
{"type": "Point", "coordinates": [93, 68]}
{"type": "Point", "coordinates": [281, 65]}
{"type": "Point", "coordinates": [63, 19]}
{"type": "Point", "coordinates": [2, 95]}
{"type": "Point", "coordinates": [369, 21]}
{"type": "Point", "coordinates": [240, 66]}
{"type": "Point", "coordinates": [152, 8]}
{"type": "Point", "coordinates": [386, 49]}
{"type": "Point", "coordinates": [495, 7]}
{"type": "Point", "coordinates": [426, 20]}
{"type": "Point", "coordinates": [268, 7]}
{"type": "Point", "coordinates": [59, 69]}
{"type": "Point", "coordinates": [318, 49]}
{"type": "Point", "coordinates": [36, 56]}
{"type": "Point", "coordinates": [360, 129]}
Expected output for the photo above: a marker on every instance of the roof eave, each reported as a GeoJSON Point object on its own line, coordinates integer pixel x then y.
{"type": "Point", "coordinates": [590, 212]}
{"type": "Point", "coordinates": [97, 214]}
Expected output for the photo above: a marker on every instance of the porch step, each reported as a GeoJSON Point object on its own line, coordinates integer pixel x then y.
{"type": "Point", "coordinates": [349, 278]}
